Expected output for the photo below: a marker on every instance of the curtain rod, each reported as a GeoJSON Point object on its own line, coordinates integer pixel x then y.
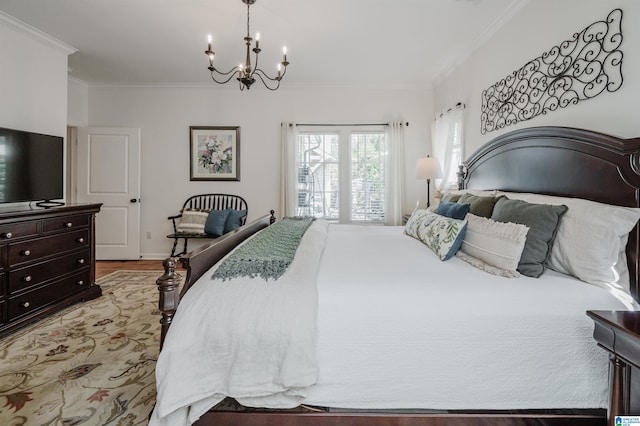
{"type": "Point", "coordinates": [459, 105]}
{"type": "Point", "coordinates": [345, 125]}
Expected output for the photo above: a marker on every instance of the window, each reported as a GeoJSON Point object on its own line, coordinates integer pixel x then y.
{"type": "Point", "coordinates": [341, 174]}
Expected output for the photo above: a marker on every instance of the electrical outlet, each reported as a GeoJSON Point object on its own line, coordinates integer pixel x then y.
{"type": "Point", "coordinates": [148, 235]}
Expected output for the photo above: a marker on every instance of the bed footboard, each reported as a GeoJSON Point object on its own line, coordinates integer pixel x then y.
{"type": "Point", "coordinates": [196, 263]}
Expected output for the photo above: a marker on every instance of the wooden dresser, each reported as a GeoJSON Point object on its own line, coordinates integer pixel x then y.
{"type": "Point", "coordinates": [47, 261]}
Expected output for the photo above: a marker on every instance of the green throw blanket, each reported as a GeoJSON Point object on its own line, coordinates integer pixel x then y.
{"type": "Point", "coordinates": [268, 254]}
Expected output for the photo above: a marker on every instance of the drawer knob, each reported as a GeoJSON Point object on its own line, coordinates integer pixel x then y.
{"type": "Point", "coordinates": [27, 278]}
{"type": "Point", "coordinates": [68, 224]}
{"type": "Point", "coordinates": [80, 282]}
{"type": "Point", "coordinates": [80, 240]}
{"type": "Point", "coordinates": [7, 235]}
{"type": "Point", "coordinates": [26, 252]}
{"type": "Point", "coordinates": [26, 304]}
{"type": "Point", "coordinates": [81, 261]}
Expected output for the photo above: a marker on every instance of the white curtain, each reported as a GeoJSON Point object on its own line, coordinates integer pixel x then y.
{"type": "Point", "coordinates": [288, 170]}
{"type": "Point", "coordinates": [394, 174]}
{"type": "Point", "coordinates": [446, 140]}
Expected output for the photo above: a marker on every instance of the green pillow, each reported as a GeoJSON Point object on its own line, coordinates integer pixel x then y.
{"type": "Point", "coordinates": [480, 206]}
{"type": "Point", "coordinates": [543, 221]}
{"type": "Point", "coordinates": [452, 198]}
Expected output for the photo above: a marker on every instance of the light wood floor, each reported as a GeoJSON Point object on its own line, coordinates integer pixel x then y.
{"type": "Point", "coordinates": [105, 267]}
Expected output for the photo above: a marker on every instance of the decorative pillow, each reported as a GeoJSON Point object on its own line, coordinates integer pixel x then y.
{"type": "Point", "coordinates": [497, 245]}
{"type": "Point", "coordinates": [234, 220]}
{"type": "Point", "coordinates": [442, 234]}
{"type": "Point", "coordinates": [417, 217]}
{"type": "Point", "coordinates": [192, 221]}
{"type": "Point", "coordinates": [480, 205]}
{"type": "Point", "coordinates": [451, 197]}
{"type": "Point", "coordinates": [453, 210]}
{"type": "Point", "coordinates": [216, 221]}
{"type": "Point", "coordinates": [591, 239]}
{"type": "Point", "coordinates": [457, 193]}
{"type": "Point", "coordinates": [543, 221]}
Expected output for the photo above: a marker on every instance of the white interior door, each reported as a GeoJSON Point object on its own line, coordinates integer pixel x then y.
{"type": "Point", "coordinates": [108, 172]}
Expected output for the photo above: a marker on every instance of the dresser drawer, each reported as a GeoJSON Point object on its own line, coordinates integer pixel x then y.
{"type": "Point", "coordinates": [37, 298]}
{"type": "Point", "coordinates": [12, 231]}
{"type": "Point", "coordinates": [66, 223]}
{"type": "Point", "coordinates": [34, 275]}
{"type": "Point", "coordinates": [35, 249]}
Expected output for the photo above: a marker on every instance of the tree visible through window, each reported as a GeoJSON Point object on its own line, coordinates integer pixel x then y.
{"type": "Point", "coordinates": [341, 174]}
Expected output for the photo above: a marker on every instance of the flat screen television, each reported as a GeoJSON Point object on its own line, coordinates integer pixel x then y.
{"type": "Point", "coordinates": [31, 167]}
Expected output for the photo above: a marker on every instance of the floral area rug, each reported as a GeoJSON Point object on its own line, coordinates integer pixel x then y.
{"type": "Point", "coordinates": [91, 364]}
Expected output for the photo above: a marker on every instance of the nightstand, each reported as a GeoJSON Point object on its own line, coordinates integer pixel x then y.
{"type": "Point", "coordinates": [618, 332]}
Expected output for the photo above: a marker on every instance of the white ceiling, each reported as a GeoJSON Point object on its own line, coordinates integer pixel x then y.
{"type": "Point", "coordinates": [330, 42]}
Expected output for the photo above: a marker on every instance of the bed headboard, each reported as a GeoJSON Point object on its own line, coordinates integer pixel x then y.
{"type": "Point", "coordinates": [565, 162]}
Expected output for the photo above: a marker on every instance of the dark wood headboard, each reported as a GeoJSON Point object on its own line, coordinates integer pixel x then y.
{"type": "Point", "coordinates": [565, 162]}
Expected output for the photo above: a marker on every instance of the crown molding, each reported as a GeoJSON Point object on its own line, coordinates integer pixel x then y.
{"type": "Point", "coordinates": [426, 85]}
{"type": "Point", "coordinates": [77, 81]}
{"type": "Point", "coordinates": [36, 33]}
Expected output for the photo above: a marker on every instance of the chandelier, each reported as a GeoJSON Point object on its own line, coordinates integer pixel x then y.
{"type": "Point", "coordinates": [246, 73]}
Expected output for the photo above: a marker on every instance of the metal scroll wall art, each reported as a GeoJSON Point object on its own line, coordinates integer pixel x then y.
{"type": "Point", "coordinates": [578, 69]}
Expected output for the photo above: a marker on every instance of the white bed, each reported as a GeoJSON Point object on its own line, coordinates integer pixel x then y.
{"type": "Point", "coordinates": [396, 309]}
{"type": "Point", "coordinates": [385, 325]}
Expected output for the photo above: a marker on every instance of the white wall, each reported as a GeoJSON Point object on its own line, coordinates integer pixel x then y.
{"type": "Point", "coordinates": [164, 115]}
{"type": "Point", "coordinates": [539, 26]}
{"type": "Point", "coordinates": [33, 80]}
{"type": "Point", "coordinates": [78, 107]}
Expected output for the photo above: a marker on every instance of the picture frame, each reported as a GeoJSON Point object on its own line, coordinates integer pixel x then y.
{"type": "Point", "coordinates": [214, 153]}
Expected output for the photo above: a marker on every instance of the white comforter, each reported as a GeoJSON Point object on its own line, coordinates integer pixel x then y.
{"type": "Point", "coordinates": [396, 328]}
{"type": "Point", "coordinates": [247, 338]}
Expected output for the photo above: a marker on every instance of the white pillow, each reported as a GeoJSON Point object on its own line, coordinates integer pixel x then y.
{"type": "Point", "coordinates": [192, 221]}
{"type": "Point", "coordinates": [591, 239]}
{"type": "Point", "coordinates": [496, 244]}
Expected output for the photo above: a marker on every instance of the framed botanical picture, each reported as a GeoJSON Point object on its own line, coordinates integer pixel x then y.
{"type": "Point", "coordinates": [215, 153]}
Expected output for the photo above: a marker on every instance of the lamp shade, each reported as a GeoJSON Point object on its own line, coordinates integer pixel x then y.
{"type": "Point", "coordinates": [428, 168]}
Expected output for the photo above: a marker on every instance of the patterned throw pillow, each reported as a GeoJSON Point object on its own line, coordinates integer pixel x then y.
{"type": "Point", "coordinates": [417, 217]}
{"type": "Point", "coordinates": [442, 234]}
{"type": "Point", "coordinates": [192, 221]}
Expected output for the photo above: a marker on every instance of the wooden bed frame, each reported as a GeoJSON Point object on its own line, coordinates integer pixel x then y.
{"type": "Point", "coordinates": [548, 160]}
